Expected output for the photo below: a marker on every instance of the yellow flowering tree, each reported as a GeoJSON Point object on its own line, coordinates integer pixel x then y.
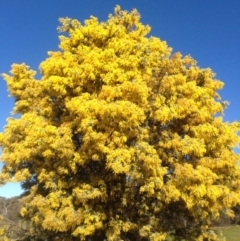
{"type": "Point", "coordinates": [120, 139]}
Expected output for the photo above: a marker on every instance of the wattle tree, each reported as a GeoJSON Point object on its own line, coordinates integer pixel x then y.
{"type": "Point", "coordinates": [119, 139]}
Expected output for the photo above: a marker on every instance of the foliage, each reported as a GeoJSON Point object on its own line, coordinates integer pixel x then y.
{"type": "Point", "coordinates": [120, 139]}
{"type": "Point", "coordinates": [236, 219]}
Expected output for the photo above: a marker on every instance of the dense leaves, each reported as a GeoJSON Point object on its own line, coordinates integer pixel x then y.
{"type": "Point", "coordinates": [120, 139]}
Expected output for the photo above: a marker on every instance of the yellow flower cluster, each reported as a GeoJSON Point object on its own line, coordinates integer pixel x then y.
{"type": "Point", "coordinates": [119, 136]}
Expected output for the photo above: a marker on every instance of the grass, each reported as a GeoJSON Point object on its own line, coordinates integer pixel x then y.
{"type": "Point", "coordinates": [231, 233]}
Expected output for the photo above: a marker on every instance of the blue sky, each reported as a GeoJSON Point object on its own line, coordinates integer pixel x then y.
{"type": "Point", "coordinates": [207, 30]}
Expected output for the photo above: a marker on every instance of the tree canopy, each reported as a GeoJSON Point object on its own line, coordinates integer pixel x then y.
{"type": "Point", "coordinates": [120, 139]}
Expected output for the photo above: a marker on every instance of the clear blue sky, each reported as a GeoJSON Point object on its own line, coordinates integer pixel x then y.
{"type": "Point", "coordinates": [208, 30]}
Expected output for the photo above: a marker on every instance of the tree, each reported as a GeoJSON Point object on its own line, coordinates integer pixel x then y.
{"type": "Point", "coordinates": [120, 139]}
{"type": "Point", "coordinates": [11, 226]}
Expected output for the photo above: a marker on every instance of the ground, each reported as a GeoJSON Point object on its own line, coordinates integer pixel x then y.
{"type": "Point", "coordinates": [232, 233]}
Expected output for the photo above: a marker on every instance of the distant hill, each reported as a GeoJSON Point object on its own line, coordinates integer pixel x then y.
{"type": "Point", "coordinates": [10, 218]}
{"type": "Point", "coordinates": [10, 207]}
